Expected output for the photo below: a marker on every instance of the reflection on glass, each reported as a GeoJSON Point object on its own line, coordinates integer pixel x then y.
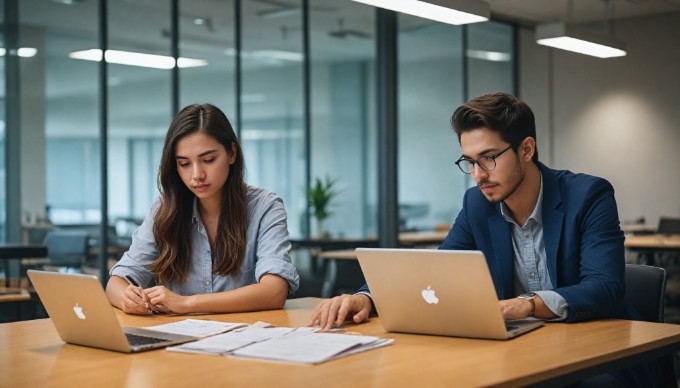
{"type": "Point", "coordinates": [430, 86]}
{"type": "Point", "coordinates": [343, 126]}
{"type": "Point", "coordinates": [490, 54]}
{"type": "Point", "coordinates": [272, 133]}
{"type": "Point", "coordinates": [139, 106]}
{"type": "Point", "coordinates": [207, 33]}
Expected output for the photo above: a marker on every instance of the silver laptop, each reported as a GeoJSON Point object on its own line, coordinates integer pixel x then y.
{"type": "Point", "coordinates": [82, 315]}
{"type": "Point", "coordinates": [437, 292]}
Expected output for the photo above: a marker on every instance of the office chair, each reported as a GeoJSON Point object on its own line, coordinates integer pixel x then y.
{"type": "Point", "coordinates": [66, 248]}
{"type": "Point", "coordinates": [645, 290]}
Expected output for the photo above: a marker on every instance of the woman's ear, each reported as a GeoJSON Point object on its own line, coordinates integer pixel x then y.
{"type": "Point", "coordinates": [231, 155]}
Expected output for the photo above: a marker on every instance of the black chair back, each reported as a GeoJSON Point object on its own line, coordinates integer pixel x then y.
{"type": "Point", "coordinates": [669, 225]}
{"type": "Point", "coordinates": [645, 289]}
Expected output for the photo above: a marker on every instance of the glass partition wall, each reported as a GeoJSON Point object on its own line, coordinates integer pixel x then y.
{"type": "Point", "coordinates": [60, 155]}
{"type": "Point", "coordinates": [431, 74]}
{"type": "Point", "coordinates": [343, 124]}
{"type": "Point", "coordinates": [439, 66]}
{"type": "Point", "coordinates": [3, 104]}
{"type": "Point", "coordinates": [272, 133]}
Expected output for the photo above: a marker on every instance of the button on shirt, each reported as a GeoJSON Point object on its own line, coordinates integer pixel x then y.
{"type": "Point", "coordinates": [531, 268]}
{"type": "Point", "coordinates": [267, 250]}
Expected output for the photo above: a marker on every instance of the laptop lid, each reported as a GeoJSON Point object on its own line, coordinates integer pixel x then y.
{"type": "Point", "coordinates": [438, 292]}
{"type": "Point", "coordinates": [82, 314]}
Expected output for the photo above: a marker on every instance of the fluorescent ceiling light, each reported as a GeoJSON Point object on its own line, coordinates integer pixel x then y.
{"type": "Point", "coordinates": [493, 56]}
{"type": "Point", "coordinates": [268, 55]}
{"type": "Point", "coordinates": [577, 39]}
{"type": "Point", "coordinates": [446, 11]}
{"type": "Point", "coordinates": [277, 54]}
{"type": "Point", "coordinates": [27, 52]}
{"type": "Point", "coordinates": [278, 12]}
{"type": "Point", "coordinates": [137, 59]}
{"type": "Point", "coordinates": [24, 52]}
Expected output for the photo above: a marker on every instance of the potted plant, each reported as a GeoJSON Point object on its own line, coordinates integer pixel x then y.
{"type": "Point", "coordinates": [320, 195]}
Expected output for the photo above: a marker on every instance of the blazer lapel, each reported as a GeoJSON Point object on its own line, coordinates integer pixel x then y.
{"type": "Point", "coordinates": [553, 220]}
{"type": "Point", "coordinates": [503, 272]}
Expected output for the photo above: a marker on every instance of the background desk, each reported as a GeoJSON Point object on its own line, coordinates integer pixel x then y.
{"type": "Point", "coordinates": [33, 355]}
{"type": "Point", "coordinates": [16, 252]}
{"type": "Point", "coordinates": [648, 245]}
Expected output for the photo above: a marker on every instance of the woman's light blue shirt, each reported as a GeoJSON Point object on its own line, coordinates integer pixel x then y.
{"type": "Point", "coordinates": [267, 250]}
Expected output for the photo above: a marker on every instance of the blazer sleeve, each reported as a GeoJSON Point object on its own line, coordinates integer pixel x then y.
{"type": "Point", "coordinates": [460, 236]}
{"type": "Point", "coordinates": [599, 261]}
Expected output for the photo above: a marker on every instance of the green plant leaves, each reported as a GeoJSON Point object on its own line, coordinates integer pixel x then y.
{"type": "Point", "coordinates": [320, 194]}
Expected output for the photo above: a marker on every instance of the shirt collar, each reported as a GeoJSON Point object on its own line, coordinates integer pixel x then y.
{"type": "Point", "coordinates": [536, 215]}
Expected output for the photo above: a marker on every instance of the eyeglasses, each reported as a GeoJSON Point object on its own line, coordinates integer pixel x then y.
{"type": "Point", "coordinates": [486, 162]}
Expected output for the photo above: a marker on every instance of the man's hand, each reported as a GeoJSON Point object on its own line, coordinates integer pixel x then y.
{"type": "Point", "coordinates": [516, 308]}
{"type": "Point", "coordinates": [333, 312]}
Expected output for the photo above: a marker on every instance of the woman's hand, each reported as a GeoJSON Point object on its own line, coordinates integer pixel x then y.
{"type": "Point", "coordinates": [163, 300]}
{"type": "Point", "coordinates": [132, 301]}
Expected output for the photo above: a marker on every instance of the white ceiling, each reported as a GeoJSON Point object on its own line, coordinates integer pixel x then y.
{"type": "Point", "coordinates": [531, 12]}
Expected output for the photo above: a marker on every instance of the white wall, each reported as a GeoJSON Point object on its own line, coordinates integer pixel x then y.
{"type": "Point", "coordinates": [616, 118]}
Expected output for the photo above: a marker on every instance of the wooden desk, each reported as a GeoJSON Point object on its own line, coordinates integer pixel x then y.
{"type": "Point", "coordinates": [422, 238]}
{"type": "Point", "coordinates": [16, 252]}
{"type": "Point", "coordinates": [14, 294]}
{"type": "Point", "coordinates": [33, 355]}
{"type": "Point", "coordinates": [648, 245]}
{"type": "Point", "coordinates": [341, 254]}
{"type": "Point", "coordinates": [405, 238]}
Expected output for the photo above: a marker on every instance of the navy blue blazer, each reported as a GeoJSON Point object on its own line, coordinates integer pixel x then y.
{"type": "Point", "coordinates": [583, 243]}
{"type": "Point", "coordinates": [583, 246]}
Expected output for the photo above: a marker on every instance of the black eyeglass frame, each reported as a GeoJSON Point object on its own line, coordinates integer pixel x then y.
{"type": "Point", "coordinates": [492, 158]}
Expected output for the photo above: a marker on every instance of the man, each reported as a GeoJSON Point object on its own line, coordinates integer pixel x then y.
{"type": "Point", "coordinates": [551, 238]}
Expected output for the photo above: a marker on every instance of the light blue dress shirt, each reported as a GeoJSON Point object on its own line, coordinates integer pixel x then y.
{"type": "Point", "coordinates": [531, 268]}
{"type": "Point", "coordinates": [267, 250]}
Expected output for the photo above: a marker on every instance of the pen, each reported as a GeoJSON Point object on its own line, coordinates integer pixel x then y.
{"type": "Point", "coordinates": [134, 283]}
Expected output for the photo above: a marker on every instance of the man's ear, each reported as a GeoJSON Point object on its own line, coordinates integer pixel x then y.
{"type": "Point", "coordinates": [528, 148]}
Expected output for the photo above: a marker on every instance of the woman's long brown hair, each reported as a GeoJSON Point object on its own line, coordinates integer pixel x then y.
{"type": "Point", "coordinates": [172, 222]}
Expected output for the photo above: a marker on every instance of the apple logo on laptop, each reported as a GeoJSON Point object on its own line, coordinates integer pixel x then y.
{"type": "Point", "coordinates": [79, 311]}
{"type": "Point", "coordinates": [429, 296]}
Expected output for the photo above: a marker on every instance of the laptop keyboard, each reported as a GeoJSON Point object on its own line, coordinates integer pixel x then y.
{"type": "Point", "coordinates": [510, 327]}
{"type": "Point", "coordinates": [138, 340]}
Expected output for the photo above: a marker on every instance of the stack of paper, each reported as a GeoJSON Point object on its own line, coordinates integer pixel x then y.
{"type": "Point", "coordinates": [302, 345]}
{"type": "Point", "coordinates": [310, 348]}
{"type": "Point", "coordinates": [224, 343]}
{"type": "Point", "coordinates": [196, 327]}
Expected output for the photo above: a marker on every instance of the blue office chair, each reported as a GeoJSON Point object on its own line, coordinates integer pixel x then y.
{"type": "Point", "coordinates": [645, 291]}
{"type": "Point", "coordinates": [66, 248]}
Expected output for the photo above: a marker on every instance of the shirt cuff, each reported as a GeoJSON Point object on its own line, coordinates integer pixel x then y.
{"type": "Point", "coordinates": [368, 294]}
{"type": "Point", "coordinates": [555, 303]}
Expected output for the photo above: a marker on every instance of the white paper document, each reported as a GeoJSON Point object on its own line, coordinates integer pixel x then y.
{"type": "Point", "coordinates": [301, 345]}
{"type": "Point", "coordinates": [196, 327]}
{"type": "Point", "coordinates": [227, 342]}
{"type": "Point", "coordinates": [310, 348]}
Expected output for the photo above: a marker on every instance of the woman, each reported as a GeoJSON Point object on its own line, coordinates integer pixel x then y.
{"type": "Point", "coordinates": [210, 243]}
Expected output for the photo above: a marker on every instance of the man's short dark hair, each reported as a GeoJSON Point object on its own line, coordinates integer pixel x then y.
{"type": "Point", "coordinates": [501, 112]}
